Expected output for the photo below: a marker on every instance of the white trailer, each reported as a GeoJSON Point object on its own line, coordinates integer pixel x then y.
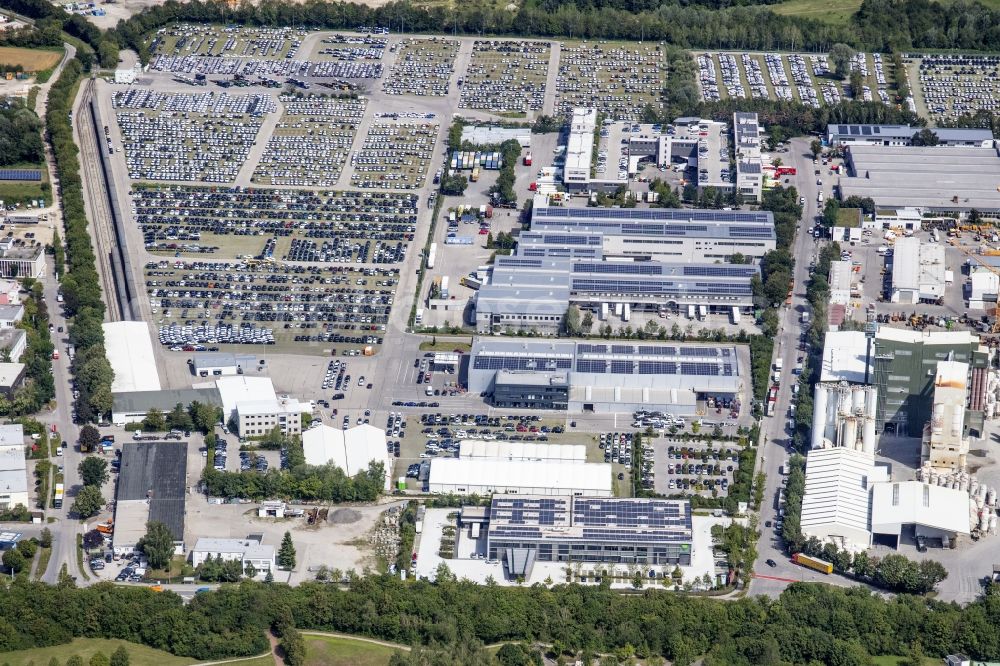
{"type": "Point", "coordinates": [735, 315]}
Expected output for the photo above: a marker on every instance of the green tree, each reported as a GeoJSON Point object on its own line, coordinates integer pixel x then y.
{"type": "Point", "coordinates": [14, 560]}
{"type": "Point", "coordinates": [587, 324]}
{"type": "Point", "coordinates": [75, 660]}
{"type": "Point", "coordinates": [840, 58]}
{"type": "Point", "coordinates": [154, 421]}
{"type": "Point", "coordinates": [815, 147]}
{"type": "Point", "coordinates": [571, 321]}
{"type": "Point", "coordinates": [120, 657]}
{"type": "Point", "coordinates": [179, 419]}
{"type": "Point", "coordinates": [88, 502]}
{"type": "Point", "coordinates": [93, 471]}
{"type": "Point", "coordinates": [925, 137]}
{"type": "Point", "coordinates": [157, 544]}
{"type": "Point", "coordinates": [45, 540]}
{"type": "Point", "coordinates": [90, 438]}
{"type": "Point", "coordinates": [286, 552]}
{"type": "Point", "coordinates": [204, 417]}
{"type": "Point", "coordinates": [99, 659]}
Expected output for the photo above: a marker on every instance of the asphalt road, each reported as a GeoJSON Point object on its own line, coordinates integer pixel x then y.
{"type": "Point", "coordinates": [773, 453]}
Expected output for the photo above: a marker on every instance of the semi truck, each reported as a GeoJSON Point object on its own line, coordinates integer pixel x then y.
{"type": "Point", "coordinates": [814, 563]}
{"type": "Point", "coordinates": [57, 499]}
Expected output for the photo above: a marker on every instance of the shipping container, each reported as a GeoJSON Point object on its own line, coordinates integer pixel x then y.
{"type": "Point", "coordinates": [814, 563]}
{"type": "Point", "coordinates": [735, 316]}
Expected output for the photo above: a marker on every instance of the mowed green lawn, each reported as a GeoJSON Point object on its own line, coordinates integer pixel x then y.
{"type": "Point", "coordinates": [838, 11]}
{"type": "Point", "coordinates": [900, 661]}
{"type": "Point", "coordinates": [139, 655]}
{"type": "Point", "coordinates": [337, 651]}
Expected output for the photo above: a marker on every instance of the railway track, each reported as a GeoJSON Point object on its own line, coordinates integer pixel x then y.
{"type": "Point", "coordinates": [96, 191]}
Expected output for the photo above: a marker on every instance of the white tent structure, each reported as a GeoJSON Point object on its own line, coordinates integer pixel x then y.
{"type": "Point", "coordinates": [352, 450]}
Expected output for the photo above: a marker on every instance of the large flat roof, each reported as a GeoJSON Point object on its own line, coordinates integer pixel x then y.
{"type": "Point", "coordinates": [906, 502]}
{"type": "Point", "coordinates": [906, 132]}
{"type": "Point", "coordinates": [130, 352]}
{"type": "Point", "coordinates": [565, 476]}
{"type": "Point", "coordinates": [630, 520]}
{"type": "Point", "coordinates": [143, 401]}
{"type": "Point", "coordinates": [836, 491]}
{"type": "Point", "coordinates": [522, 450]}
{"type": "Point", "coordinates": [674, 222]}
{"type": "Point", "coordinates": [937, 177]}
{"type": "Point", "coordinates": [352, 450]}
{"type": "Point", "coordinates": [155, 472]}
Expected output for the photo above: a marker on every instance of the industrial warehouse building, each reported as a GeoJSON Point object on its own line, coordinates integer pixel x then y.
{"type": "Point", "coordinates": [151, 487]}
{"type": "Point", "coordinates": [644, 532]}
{"type": "Point", "coordinates": [352, 450]}
{"type": "Point", "coordinates": [133, 406]}
{"type": "Point", "coordinates": [522, 450]}
{"type": "Point", "coordinates": [667, 260]}
{"type": "Point", "coordinates": [902, 135]}
{"type": "Point", "coordinates": [901, 364]}
{"type": "Point", "coordinates": [679, 235]}
{"type": "Point", "coordinates": [485, 476]}
{"type": "Point", "coordinates": [931, 511]}
{"type": "Point", "coordinates": [935, 179]}
{"type": "Point", "coordinates": [605, 377]}
{"type": "Point", "coordinates": [919, 274]}
{"type": "Point", "coordinates": [13, 468]}
{"type": "Point", "coordinates": [215, 364]}
{"type": "Point", "coordinates": [129, 349]}
{"type": "Point", "coordinates": [835, 502]}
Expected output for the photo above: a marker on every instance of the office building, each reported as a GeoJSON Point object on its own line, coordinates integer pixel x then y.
{"type": "Point", "coordinates": [21, 259]}
{"type": "Point", "coordinates": [249, 551]}
{"type": "Point", "coordinates": [682, 379]}
{"type": "Point", "coordinates": [252, 404]}
{"type": "Point", "coordinates": [644, 532]}
{"type": "Point", "coordinates": [749, 166]}
{"type": "Point", "coordinates": [580, 149]}
{"type": "Point", "coordinates": [217, 364]}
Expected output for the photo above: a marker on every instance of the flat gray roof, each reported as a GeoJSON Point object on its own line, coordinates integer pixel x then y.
{"type": "Point", "coordinates": [157, 472]}
{"type": "Point", "coordinates": [906, 132]}
{"type": "Point", "coordinates": [223, 360]}
{"type": "Point", "coordinates": [679, 222]}
{"type": "Point", "coordinates": [143, 401]}
{"type": "Point", "coordinates": [939, 176]}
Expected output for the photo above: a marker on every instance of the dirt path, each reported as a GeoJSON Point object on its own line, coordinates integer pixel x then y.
{"type": "Point", "coordinates": [273, 640]}
{"type": "Point", "coordinates": [374, 641]}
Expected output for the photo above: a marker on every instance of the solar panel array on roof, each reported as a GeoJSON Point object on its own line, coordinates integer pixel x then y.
{"type": "Point", "coordinates": [586, 348]}
{"type": "Point", "coordinates": [20, 174]}
{"type": "Point", "coordinates": [520, 363]}
{"type": "Point", "coordinates": [655, 214]}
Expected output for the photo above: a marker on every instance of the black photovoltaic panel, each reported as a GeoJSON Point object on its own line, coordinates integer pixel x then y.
{"type": "Point", "coordinates": [720, 270]}
{"type": "Point", "coordinates": [622, 349]}
{"type": "Point", "coordinates": [708, 352]}
{"type": "Point", "coordinates": [700, 369]}
{"type": "Point", "coordinates": [619, 268]}
{"type": "Point", "coordinates": [658, 351]}
{"type": "Point", "coordinates": [520, 363]}
{"type": "Point", "coordinates": [20, 174]}
{"type": "Point", "coordinates": [657, 368]}
{"type": "Point", "coordinates": [653, 214]}
{"type": "Point", "coordinates": [621, 367]}
{"type": "Point", "coordinates": [585, 348]}
{"type": "Point", "coordinates": [587, 365]}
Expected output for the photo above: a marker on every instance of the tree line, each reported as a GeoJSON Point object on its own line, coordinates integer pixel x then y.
{"type": "Point", "coordinates": [879, 25]}
{"type": "Point", "coordinates": [808, 624]}
{"type": "Point", "coordinates": [323, 483]}
{"type": "Point", "coordinates": [80, 285]}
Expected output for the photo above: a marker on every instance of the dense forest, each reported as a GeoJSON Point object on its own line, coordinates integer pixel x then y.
{"type": "Point", "coordinates": [20, 134]}
{"type": "Point", "coordinates": [809, 624]}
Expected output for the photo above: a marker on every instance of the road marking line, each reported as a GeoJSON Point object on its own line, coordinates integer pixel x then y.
{"type": "Point", "coordinates": [778, 578]}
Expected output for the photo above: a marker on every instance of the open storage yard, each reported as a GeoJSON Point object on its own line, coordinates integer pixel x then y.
{"type": "Point", "coordinates": [245, 42]}
{"type": "Point", "coordinates": [269, 303]}
{"type": "Point", "coordinates": [804, 78]}
{"type": "Point", "coordinates": [423, 67]}
{"type": "Point", "coordinates": [359, 56]}
{"type": "Point", "coordinates": [191, 137]}
{"type": "Point", "coordinates": [311, 143]}
{"type": "Point", "coordinates": [506, 76]}
{"type": "Point", "coordinates": [297, 225]}
{"type": "Point", "coordinates": [952, 85]}
{"type": "Point", "coordinates": [395, 156]}
{"type": "Point", "coordinates": [618, 78]}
